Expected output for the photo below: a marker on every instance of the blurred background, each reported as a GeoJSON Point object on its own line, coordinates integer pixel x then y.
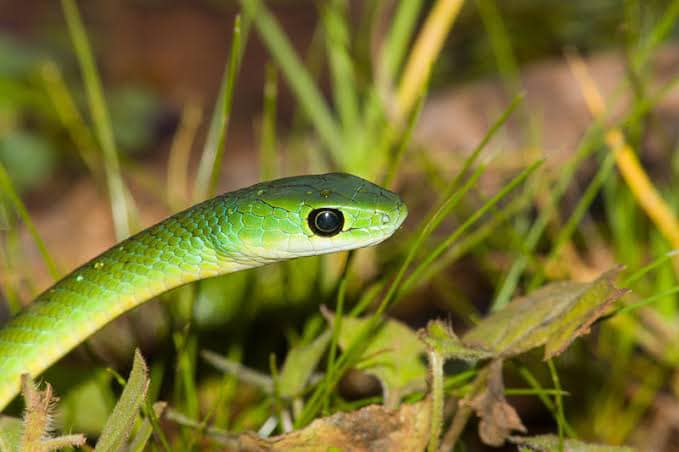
{"type": "Point", "coordinates": [162, 63]}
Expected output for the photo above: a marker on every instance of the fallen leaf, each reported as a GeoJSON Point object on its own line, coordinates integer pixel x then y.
{"type": "Point", "coordinates": [498, 418]}
{"type": "Point", "coordinates": [548, 443]}
{"type": "Point", "coordinates": [552, 316]}
{"type": "Point", "coordinates": [394, 356]}
{"type": "Point", "coordinates": [371, 428]}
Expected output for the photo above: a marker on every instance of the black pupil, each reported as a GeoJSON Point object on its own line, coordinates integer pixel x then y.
{"type": "Point", "coordinates": [326, 222]}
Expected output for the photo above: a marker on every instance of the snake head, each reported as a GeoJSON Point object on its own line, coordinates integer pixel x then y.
{"type": "Point", "coordinates": [315, 214]}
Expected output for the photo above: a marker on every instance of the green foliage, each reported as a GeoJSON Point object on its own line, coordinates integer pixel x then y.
{"type": "Point", "coordinates": [100, 118]}
{"type": "Point", "coordinates": [121, 421]}
{"type": "Point", "coordinates": [208, 171]}
{"type": "Point", "coordinates": [511, 239]}
{"type": "Point", "coordinates": [394, 355]}
{"type": "Point", "coordinates": [552, 316]}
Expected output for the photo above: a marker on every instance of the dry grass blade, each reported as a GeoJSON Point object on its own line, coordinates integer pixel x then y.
{"type": "Point", "coordinates": [636, 178]}
{"type": "Point", "coordinates": [425, 51]}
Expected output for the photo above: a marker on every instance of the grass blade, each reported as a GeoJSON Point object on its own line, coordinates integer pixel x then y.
{"type": "Point", "coordinates": [268, 160]}
{"type": "Point", "coordinates": [298, 78]}
{"type": "Point", "coordinates": [100, 117]}
{"type": "Point", "coordinates": [425, 51]}
{"type": "Point", "coordinates": [211, 160]}
{"type": "Point", "coordinates": [398, 37]}
{"type": "Point", "coordinates": [444, 245]}
{"type": "Point", "coordinates": [178, 161]}
{"type": "Point", "coordinates": [120, 422]}
{"type": "Point", "coordinates": [334, 16]}
{"type": "Point", "coordinates": [8, 190]}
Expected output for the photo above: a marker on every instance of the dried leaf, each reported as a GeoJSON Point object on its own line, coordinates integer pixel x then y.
{"type": "Point", "coordinates": [498, 418]}
{"type": "Point", "coordinates": [552, 316]}
{"type": "Point", "coordinates": [371, 428]}
{"type": "Point", "coordinates": [441, 338]}
{"type": "Point", "coordinates": [548, 443]}
{"type": "Point", "coordinates": [394, 356]}
{"type": "Point", "coordinates": [299, 365]}
{"type": "Point", "coordinates": [120, 422]}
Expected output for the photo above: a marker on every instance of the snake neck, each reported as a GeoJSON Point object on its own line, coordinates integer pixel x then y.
{"type": "Point", "coordinates": [177, 251]}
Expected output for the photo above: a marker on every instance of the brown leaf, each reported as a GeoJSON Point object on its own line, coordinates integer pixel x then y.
{"type": "Point", "coordinates": [371, 428]}
{"type": "Point", "coordinates": [498, 418]}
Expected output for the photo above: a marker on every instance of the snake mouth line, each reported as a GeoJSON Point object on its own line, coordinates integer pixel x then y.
{"type": "Point", "coordinates": [402, 215]}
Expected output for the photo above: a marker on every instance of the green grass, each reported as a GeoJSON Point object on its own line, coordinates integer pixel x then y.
{"type": "Point", "coordinates": [531, 221]}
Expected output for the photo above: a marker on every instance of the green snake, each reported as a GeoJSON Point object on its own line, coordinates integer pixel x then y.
{"type": "Point", "coordinates": [254, 226]}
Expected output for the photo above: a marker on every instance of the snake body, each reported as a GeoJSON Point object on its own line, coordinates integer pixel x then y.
{"type": "Point", "coordinates": [264, 223]}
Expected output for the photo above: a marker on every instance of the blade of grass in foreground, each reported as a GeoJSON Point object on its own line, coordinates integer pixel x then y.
{"type": "Point", "coordinates": [100, 117]}
{"type": "Point", "coordinates": [478, 235]}
{"type": "Point", "coordinates": [546, 401]}
{"type": "Point", "coordinates": [178, 162]}
{"type": "Point", "coordinates": [391, 56]}
{"type": "Point", "coordinates": [268, 160]}
{"type": "Point", "coordinates": [211, 160]}
{"type": "Point", "coordinates": [70, 117]}
{"type": "Point", "coordinates": [120, 423]}
{"type": "Point", "coordinates": [500, 42]}
{"type": "Point", "coordinates": [337, 37]}
{"type": "Point", "coordinates": [444, 245]}
{"type": "Point", "coordinates": [510, 282]}
{"type": "Point", "coordinates": [398, 37]}
{"type": "Point", "coordinates": [566, 231]}
{"type": "Point", "coordinates": [297, 76]}
{"type": "Point", "coordinates": [651, 266]}
{"type": "Point", "coordinates": [8, 190]}
{"type": "Point", "coordinates": [658, 33]}
{"type": "Point", "coordinates": [424, 53]}
{"type": "Point", "coordinates": [452, 196]}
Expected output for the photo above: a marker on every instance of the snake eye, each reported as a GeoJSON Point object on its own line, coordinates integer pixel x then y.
{"type": "Point", "coordinates": [326, 222]}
